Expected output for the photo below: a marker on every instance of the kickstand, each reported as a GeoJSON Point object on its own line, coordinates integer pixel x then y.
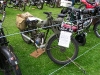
{"type": "Point", "coordinates": [76, 64]}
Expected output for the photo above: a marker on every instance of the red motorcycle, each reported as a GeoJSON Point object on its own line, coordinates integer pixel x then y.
{"type": "Point", "coordinates": [95, 21]}
{"type": "Point", "coordinates": [88, 4]}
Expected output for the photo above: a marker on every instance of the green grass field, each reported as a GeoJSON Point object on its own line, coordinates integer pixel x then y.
{"type": "Point", "coordinates": [88, 57]}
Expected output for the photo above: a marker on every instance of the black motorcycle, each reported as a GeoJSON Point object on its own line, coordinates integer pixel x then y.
{"type": "Point", "coordinates": [8, 60]}
{"type": "Point", "coordinates": [50, 3]}
{"type": "Point", "coordinates": [19, 5]}
{"type": "Point", "coordinates": [38, 3]}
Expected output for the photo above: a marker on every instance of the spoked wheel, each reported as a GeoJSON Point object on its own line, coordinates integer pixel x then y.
{"type": "Point", "coordinates": [7, 68]}
{"type": "Point", "coordinates": [40, 4]}
{"type": "Point", "coordinates": [25, 35]}
{"type": "Point", "coordinates": [61, 55]}
{"type": "Point", "coordinates": [22, 6]}
{"type": "Point", "coordinates": [97, 29]}
{"type": "Point", "coordinates": [52, 3]}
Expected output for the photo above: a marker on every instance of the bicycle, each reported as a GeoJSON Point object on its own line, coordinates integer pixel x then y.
{"type": "Point", "coordinates": [8, 60]}
{"type": "Point", "coordinates": [21, 5]}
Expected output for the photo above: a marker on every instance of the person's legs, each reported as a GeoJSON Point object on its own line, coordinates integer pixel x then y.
{"type": "Point", "coordinates": [73, 2]}
{"type": "Point", "coordinates": [58, 3]}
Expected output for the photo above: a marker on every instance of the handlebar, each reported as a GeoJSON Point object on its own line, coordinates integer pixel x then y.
{"type": "Point", "coordinates": [88, 11]}
{"type": "Point", "coordinates": [48, 13]}
{"type": "Point", "coordinates": [84, 11]}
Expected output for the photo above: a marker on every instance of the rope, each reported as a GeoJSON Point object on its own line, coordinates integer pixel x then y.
{"type": "Point", "coordinates": [74, 59]}
{"type": "Point", "coordinates": [46, 27]}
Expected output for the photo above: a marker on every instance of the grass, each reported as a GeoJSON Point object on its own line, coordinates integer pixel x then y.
{"type": "Point", "coordinates": [42, 65]}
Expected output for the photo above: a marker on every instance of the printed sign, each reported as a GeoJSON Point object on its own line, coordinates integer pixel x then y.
{"type": "Point", "coordinates": [64, 39]}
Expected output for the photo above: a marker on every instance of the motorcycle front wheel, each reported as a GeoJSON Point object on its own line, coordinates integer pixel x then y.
{"type": "Point", "coordinates": [61, 55]}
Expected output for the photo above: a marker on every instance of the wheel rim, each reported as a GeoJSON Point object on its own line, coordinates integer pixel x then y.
{"type": "Point", "coordinates": [61, 54]}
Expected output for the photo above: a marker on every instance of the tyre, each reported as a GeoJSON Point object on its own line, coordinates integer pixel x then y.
{"type": "Point", "coordinates": [22, 6]}
{"type": "Point", "coordinates": [24, 38]}
{"type": "Point", "coordinates": [61, 55]}
{"type": "Point", "coordinates": [97, 29]}
{"type": "Point", "coordinates": [10, 4]}
{"type": "Point", "coordinates": [81, 39]}
{"type": "Point", "coordinates": [52, 3]}
{"type": "Point", "coordinates": [7, 68]}
{"type": "Point", "coordinates": [40, 4]}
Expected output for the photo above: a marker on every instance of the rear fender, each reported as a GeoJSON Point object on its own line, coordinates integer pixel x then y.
{"type": "Point", "coordinates": [11, 58]}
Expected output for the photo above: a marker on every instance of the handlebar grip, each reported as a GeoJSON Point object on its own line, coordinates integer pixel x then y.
{"type": "Point", "coordinates": [90, 11]}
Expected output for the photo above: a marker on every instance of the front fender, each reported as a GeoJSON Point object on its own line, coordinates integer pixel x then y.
{"type": "Point", "coordinates": [9, 55]}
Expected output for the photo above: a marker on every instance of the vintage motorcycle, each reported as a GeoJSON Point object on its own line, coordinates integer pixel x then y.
{"type": "Point", "coordinates": [38, 3]}
{"type": "Point", "coordinates": [96, 9]}
{"type": "Point", "coordinates": [8, 60]}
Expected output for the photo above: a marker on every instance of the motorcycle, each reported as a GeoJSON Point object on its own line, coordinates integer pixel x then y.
{"type": "Point", "coordinates": [20, 4]}
{"type": "Point", "coordinates": [96, 9]}
{"type": "Point", "coordinates": [8, 60]}
{"type": "Point", "coordinates": [38, 3]}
